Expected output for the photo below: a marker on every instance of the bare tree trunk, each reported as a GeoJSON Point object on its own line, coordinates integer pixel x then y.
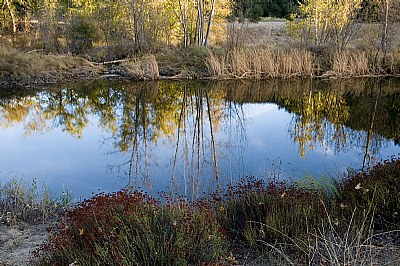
{"type": "Point", "coordinates": [210, 17]}
{"type": "Point", "coordinates": [384, 39]}
{"type": "Point", "coordinates": [317, 34]}
{"type": "Point", "coordinates": [14, 24]}
{"type": "Point", "coordinates": [139, 31]}
{"type": "Point", "coordinates": [143, 39]}
{"type": "Point", "coordinates": [135, 23]}
{"type": "Point", "coordinates": [183, 17]}
{"type": "Point", "coordinates": [200, 23]}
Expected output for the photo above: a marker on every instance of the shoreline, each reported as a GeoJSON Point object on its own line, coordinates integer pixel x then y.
{"type": "Point", "coordinates": [28, 70]}
{"type": "Point", "coordinates": [39, 83]}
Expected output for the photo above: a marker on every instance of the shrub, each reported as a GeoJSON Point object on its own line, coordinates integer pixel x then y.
{"type": "Point", "coordinates": [378, 190]}
{"type": "Point", "coordinates": [314, 221]}
{"type": "Point", "coordinates": [255, 211]}
{"type": "Point", "coordinates": [81, 34]}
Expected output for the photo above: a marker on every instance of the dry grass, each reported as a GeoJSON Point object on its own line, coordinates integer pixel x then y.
{"type": "Point", "coordinates": [17, 63]}
{"type": "Point", "coordinates": [260, 63]}
{"type": "Point", "coordinates": [325, 245]}
{"type": "Point", "coordinates": [19, 69]}
{"type": "Point", "coordinates": [351, 63]}
{"type": "Point", "coordinates": [30, 203]}
{"type": "Point", "coordinates": [143, 68]}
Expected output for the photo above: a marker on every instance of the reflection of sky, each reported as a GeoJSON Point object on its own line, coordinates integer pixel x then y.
{"type": "Point", "coordinates": [271, 149]}
{"type": "Point", "coordinates": [58, 159]}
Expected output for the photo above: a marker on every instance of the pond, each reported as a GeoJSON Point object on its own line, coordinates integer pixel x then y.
{"type": "Point", "coordinates": [194, 137]}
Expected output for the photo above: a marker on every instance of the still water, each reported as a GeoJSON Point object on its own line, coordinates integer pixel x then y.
{"type": "Point", "coordinates": [191, 138]}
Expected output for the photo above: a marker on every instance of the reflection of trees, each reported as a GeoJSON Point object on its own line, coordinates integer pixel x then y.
{"type": "Point", "coordinates": [339, 116]}
{"type": "Point", "coordinates": [329, 125]}
{"type": "Point", "coordinates": [135, 115]}
{"type": "Point", "coordinates": [66, 109]}
{"type": "Point", "coordinates": [320, 119]}
{"type": "Point", "coordinates": [15, 111]}
{"type": "Point", "coordinates": [199, 117]}
{"type": "Point", "coordinates": [138, 116]}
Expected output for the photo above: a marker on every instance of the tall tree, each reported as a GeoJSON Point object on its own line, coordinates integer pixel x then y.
{"type": "Point", "coordinates": [389, 16]}
{"type": "Point", "coordinates": [330, 22]}
{"type": "Point", "coordinates": [10, 9]}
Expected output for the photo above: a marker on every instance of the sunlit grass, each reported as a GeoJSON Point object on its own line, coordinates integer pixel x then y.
{"type": "Point", "coordinates": [260, 63]}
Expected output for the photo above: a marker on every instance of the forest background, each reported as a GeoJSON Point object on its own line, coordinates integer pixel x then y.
{"type": "Point", "coordinates": [310, 37]}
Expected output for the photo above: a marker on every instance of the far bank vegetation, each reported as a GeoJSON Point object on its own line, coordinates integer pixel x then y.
{"type": "Point", "coordinates": [207, 38]}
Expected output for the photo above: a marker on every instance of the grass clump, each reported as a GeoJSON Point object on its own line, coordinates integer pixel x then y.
{"type": "Point", "coordinates": [256, 211]}
{"type": "Point", "coordinates": [328, 243]}
{"type": "Point", "coordinates": [29, 203]}
{"type": "Point", "coordinates": [131, 228]}
{"type": "Point", "coordinates": [351, 64]}
{"type": "Point", "coordinates": [143, 68]}
{"type": "Point", "coordinates": [318, 222]}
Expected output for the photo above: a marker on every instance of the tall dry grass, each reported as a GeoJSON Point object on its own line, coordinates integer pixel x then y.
{"type": "Point", "coordinates": [143, 68]}
{"type": "Point", "coordinates": [263, 63]}
{"type": "Point", "coordinates": [359, 63]}
{"type": "Point", "coordinates": [326, 245]}
{"type": "Point", "coordinates": [260, 63]}
{"type": "Point", "coordinates": [351, 63]}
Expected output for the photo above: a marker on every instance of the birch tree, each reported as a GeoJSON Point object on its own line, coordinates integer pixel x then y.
{"type": "Point", "coordinates": [197, 18]}
{"type": "Point", "coordinates": [330, 21]}
{"type": "Point", "coordinates": [182, 10]}
{"type": "Point", "coordinates": [11, 11]}
{"type": "Point", "coordinates": [207, 10]}
{"type": "Point", "coordinates": [389, 17]}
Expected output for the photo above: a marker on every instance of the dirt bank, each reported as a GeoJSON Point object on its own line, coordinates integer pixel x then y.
{"type": "Point", "coordinates": [17, 242]}
{"type": "Point", "coordinates": [19, 69]}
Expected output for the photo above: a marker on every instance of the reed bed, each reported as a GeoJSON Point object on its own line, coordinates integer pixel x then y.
{"type": "Point", "coordinates": [143, 68]}
{"type": "Point", "coordinates": [260, 63]}
{"type": "Point", "coordinates": [351, 64]}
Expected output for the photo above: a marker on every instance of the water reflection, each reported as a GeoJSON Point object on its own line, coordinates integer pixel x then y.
{"type": "Point", "coordinates": [196, 135]}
